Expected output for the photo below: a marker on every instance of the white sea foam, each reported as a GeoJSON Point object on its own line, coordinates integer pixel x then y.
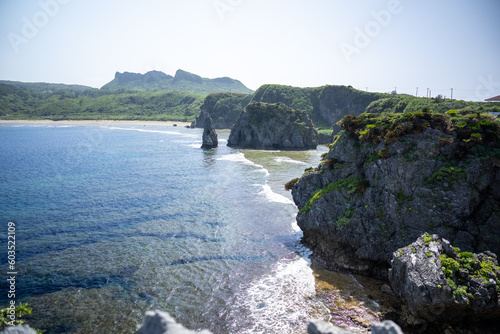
{"type": "Point", "coordinates": [152, 131]}
{"type": "Point", "coordinates": [274, 197]}
{"type": "Point", "coordinates": [240, 157]}
{"type": "Point", "coordinates": [289, 160]}
{"type": "Point", "coordinates": [283, 302]}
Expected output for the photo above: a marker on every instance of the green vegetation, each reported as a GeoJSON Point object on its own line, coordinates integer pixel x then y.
{"type": "Point", "coordinates": [351, 185]}
{"type": "Point", "coordinates": [427, 239]}
{"type": "Point", "coordinates": [19, 311]}
{"type": "Point", "coordinates": [261, 113]}
{"type": "Point", "coordinates": [342, 221]}
{"type": "Point", "coordinates": [227, 106]}
{"type": "Point", "coordinates": [44, 87]}
{"type": "Point", "coordinates": [477, 267]}
{"type": "Point", "coordinates": [289, 185]}
{"type": "Point", "coordinates": [22, 103]}
{"type": "Point", "coordinates": [345, 219]}
{"type": "Point", "coordinates": [182, 82]}
{"type": "Point", "coordinates": [335, 98]}
{"type": "Point", "coordinates": [450, 174]}
{"type": "Point", "coordinates": [477, 132]}
{"type": "Point", "coordinates": [406, 103]}
{"type": "Point", "coordinates": [392, 126]}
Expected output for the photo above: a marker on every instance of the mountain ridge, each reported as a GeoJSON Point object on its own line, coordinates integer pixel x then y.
{"type": "Point", "coordinates": [183, 81]}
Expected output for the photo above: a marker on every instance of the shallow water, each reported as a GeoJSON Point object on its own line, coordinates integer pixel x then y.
{"type": "Point", "coordinates": [116, 220]}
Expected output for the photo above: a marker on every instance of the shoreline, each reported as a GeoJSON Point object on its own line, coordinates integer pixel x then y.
{"type": "Point", "coordinates": [94, 122]}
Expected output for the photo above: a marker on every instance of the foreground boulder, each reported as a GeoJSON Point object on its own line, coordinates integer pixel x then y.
{"type": "Point", "coordinates": [209, 137]}
{"type": "Point", "coordinates": [158, 322]}
{"type": "Point", "coordinates": [20, 329]}
{"type": "Point", "coordinates": [273, 126]}
{"type": "Point", "coordinates": [440, 283]}
{"type": "Point", "coordinates": [389, 178]}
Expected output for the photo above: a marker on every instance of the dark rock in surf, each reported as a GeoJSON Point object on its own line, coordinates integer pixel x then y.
{"type": "Point", "coordinates": [273, 126]}
{"type": "Point", "coordinates": [210, 140]}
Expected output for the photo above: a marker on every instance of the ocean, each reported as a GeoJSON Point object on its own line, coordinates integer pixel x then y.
{"type": "Point", "coordinates": [113, 220]}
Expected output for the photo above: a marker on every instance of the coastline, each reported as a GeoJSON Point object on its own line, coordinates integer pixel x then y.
{"type": "Point", "coordinates": [94, 122]}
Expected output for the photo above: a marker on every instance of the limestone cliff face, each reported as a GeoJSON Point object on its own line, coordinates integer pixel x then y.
{"type": "Point", "coordinates": [273, 126]}
{"type": "Point", "coordinates": [388, 179]}
{"type": "Point", "coordinates": [223, 108]}
{"type": "Point", "coordinates": [325, 105]}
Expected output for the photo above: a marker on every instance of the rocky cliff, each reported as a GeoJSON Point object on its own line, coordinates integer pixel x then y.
{"type": "Point", "coordinates": [325, 105]}
{"type": "Point", "coordinates": [388, 178]}
{"type": "Point", "coordinates": [273, 126]}
{"type": "Point", "coordinates": [223, 108]}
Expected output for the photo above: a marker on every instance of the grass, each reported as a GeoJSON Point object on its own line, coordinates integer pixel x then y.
{"type": "Point", "coordinates": [351, 185]}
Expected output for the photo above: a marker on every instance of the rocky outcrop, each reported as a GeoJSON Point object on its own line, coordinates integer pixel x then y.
{"type": "Point", "coordinates": [439, 283]}
{"type": "Point", "coordinates": [158, 322]}
{"type": "Point", "coordinates": [209, 137]}
{"type": "Point", "coordinates": [20, 329]}
{"type": "Point", "coordinates": [325, 105]}
{"type": "Point", "coordinates": [273, 126]}
{"type": "Point", "coordinates": [325, 137]}
{"type": "Point", "coordinates": [223, 108]}
{"type": "Point", "coordinates": [389, 178]}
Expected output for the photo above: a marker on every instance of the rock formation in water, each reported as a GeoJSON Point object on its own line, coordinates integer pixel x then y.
{"type": "Point", "coordinates": [390, 178]}
{"type": "Point", "coordinates": [273, 126]}
{"type": "Point", "coordinates": [223, 108]}
{"type": "Point", "coordinates": [209, 138]}
{"type": "Point", "coordinates": [440, 283]}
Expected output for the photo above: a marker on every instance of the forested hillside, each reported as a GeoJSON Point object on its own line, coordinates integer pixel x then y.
{"type": "Point", "coordinates": [22, 103]}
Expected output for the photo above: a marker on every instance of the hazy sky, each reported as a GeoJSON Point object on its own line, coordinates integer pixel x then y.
{"type": "Point", "coordinates": [370, 44]}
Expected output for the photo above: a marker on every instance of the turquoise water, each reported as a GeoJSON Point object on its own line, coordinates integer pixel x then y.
{"type": "Point", "coordinates": [115, 220]}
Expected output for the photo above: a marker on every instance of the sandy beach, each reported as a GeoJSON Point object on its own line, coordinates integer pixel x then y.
{"type": "Point", "coordinates": [93, 122]}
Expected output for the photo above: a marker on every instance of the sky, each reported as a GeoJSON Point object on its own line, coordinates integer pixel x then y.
{"type": "Point", "coordinates": [417, 47]}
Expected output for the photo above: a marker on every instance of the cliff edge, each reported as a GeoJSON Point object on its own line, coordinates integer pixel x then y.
{"type": "Point", "coordinates": [388, 178]}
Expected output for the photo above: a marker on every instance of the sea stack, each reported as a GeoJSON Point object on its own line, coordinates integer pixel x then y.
{"type": "Point", "coordinates": [210, 140]}
{"type": "Point", "coordinates": [273, 126]}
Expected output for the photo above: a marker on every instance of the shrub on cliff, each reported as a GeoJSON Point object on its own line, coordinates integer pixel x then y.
{"type": "Point", "coordinates": [469, 127]}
